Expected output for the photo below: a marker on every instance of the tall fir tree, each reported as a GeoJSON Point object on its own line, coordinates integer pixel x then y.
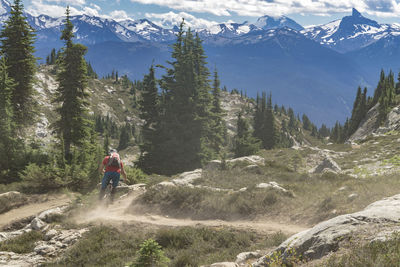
{"type": "Point", "coordinates": [186, 105]}
{"type": "Point", "coordinates": [245, 143]}
{"type": "Point", "coordinates": [73, 126]}
{"type": "Point", "coordinates": [17, 45]}
{"type": "Point", "coordinates": [270, 126]}
{"type": "Point", "coordinates": [9, 142]}
{"type": "Point", "coordinates": [149, 106]}
{"type": "Point", "coordinates": [217, 127]}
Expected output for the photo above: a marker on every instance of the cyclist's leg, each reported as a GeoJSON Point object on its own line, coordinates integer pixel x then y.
{"type": "Point", "coordinates": [104, 182]}
{"type": "Point", "coordinates": [115, 180]}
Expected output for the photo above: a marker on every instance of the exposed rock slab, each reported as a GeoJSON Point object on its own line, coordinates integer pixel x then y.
{"type": "Point", "coordinates": [327, 165]}
{"type": "Point", "coordinates": [323, 238]}
{"type": "Point", "coordinates": [250, 160]}
{"type": "Point", "coordinates": [187, 178]}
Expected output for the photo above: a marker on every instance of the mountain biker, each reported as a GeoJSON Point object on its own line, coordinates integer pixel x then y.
{"type": "Point", "coordinates": [113, 169]}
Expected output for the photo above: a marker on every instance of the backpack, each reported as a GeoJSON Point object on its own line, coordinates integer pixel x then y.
{"type": "Point", "coordinates": [114, 160]}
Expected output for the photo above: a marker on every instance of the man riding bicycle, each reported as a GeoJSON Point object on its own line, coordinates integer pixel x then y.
{"type": "Point", "coordinates": [113, 169]}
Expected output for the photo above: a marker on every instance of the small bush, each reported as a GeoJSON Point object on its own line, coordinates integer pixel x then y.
{"type": "Point", "coordinates": [40, 179]}
{"type": "Point", "coordinates": [24, 243]}
{"type": "Point", "coordinates": [383, 254]}
{"type": "Point", "coordinates": [135, 175]}
{"type": "Point", "coordinates": [150, 254]}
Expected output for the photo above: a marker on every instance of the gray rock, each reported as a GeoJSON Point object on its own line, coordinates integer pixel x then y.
{"type": "Point", "coordinates": [37, 224]}
{"type": "Point", "coordinates": [49, 215]}
{"type": "Point", "coordinates": [324, 237]}
{"type": "Point", "coordinates": [224, 264]}
{"type": "Point", "coordinates": [251, 160]}
{"type": "Point", "coordinates": [50, 234]}
{"type": "Point", "coordinates": [253, 169]}
{"type": "Point", "coordinates": [327, 164]}
{"type": "Point", "coordinates": [45, 250]}
{"type": "Point", "coordinates": [244, 256]}
{"type": "Point", "coordinates": [274, 186]}
{"type": "Point", "coordinates": [187, 178]}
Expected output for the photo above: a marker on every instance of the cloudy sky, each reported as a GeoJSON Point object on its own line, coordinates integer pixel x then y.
{"type": "Point", "coordinates": [201, 13]}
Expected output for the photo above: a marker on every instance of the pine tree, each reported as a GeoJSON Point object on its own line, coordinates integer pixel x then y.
{"type": "Point", "coordinates": [149, 107]}
{"type": "Point", "coordinates": [125, 137]}
{"type": "Point", "coordinates": [186, 107]}
{"type": "Point", "coordinates": [218, 127]}
{"type": "Point", "coordinates": [53, 56]}
{"type": "Point", "coordinates": [306, 123]}
{"type": "Point", "coordinates": [379, 89]}
{"type": "Point", "coordinates": [270, 131]}
{"type": "Point", "coordinates": [17, 39]}
{"type": "Point", "coordinates": [106, 144]}
{"type": "Point", "coordinates": [9, 143]}
{"type": "Point", "coordinates": [245, 143]}
{"type": "Point", "coordinates": [73, 126]}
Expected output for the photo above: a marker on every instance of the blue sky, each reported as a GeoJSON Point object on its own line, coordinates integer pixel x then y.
{"type": "Point", "coordinates": [202, 13]}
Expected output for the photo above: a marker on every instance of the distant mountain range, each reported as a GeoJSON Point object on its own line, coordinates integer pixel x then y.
{"type": "Point", "coordinates": [316, 70]}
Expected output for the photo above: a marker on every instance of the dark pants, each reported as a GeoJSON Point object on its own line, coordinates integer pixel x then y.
{"type": "Point", "coordinates": [108, 176]}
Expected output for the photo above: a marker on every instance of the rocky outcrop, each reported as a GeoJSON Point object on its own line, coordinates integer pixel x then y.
{"type": "Point", "coordinates": [275, 186]}
{"type": "Point", "coordinates": [187, 178]}
{"type": "Point", "coordinates": [249, 160]}
{"type": "Point", "coordinates": [55, 240]}
{"type": "Point", "coordinates": [326, 236]}
{"type": "Point", "coordinates": [326, 165]}
{"type": "Point", "coordinates": [254, 161]}
{"type": "Point", "coordinates": [369, 125]}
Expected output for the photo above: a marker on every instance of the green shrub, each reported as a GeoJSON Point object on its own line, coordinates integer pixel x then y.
{"type": "Point", "coordinates": [135, 175]}
{"type": "Point", "coordinates": [150, 254]}
{"type": "Point", "coordinates": [24, 243]}
{"type": "Point", "coordinates": [40, 179]}
{"type": "Point", "coordinates": [383, 254]}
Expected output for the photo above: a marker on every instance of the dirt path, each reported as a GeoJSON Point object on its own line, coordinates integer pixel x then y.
{"type": "Point", "coordinates": [33, 209]}
{"type": "Point", "coordinates": [115, 214]}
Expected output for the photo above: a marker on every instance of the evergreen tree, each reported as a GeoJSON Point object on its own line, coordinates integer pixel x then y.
{"type": "Point", "coordinates": [73, 126]}
{"type": "Point", "coordinates": [245, 143]}
{"type": "Point", "coordinates": [17, 39]}
{"type": "Point", "coordinates": [186, 104]}
{"type": "Point", "coordinates": [106, 144]}
{"type": "Point", "coordinates": [306, 123]}
{"type": "Point", "coordinates": [324, 131]}
{"type": "Point", "coordinates": [9, 143]}
{"type": "Point", "coordinates": [270, 131]}
{"type": "Point", "coordinates": [125, 137]}
{"type": "Point", "coordinates": [53, 56]}
{"type": "Point", "coordinates": [149, 107]}
{"type": "Point", "coordinates": [218, 127]}
{"type": "Point", "coordinates": [379, 89]}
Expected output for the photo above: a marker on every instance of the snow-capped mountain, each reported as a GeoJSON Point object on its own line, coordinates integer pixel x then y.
{"type": "Point", "coordinates": [351, 32]}
{"type": "Point", "coordinates": [232, 30]}
{"type": "Point", "coordinates": [267, 23]}
{"type": "Point", "coordinates": [148, 30]}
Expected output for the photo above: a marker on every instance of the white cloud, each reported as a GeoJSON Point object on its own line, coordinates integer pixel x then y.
{"type": "Point", "coordinates": [38, 7]}
{"type": "Point", "coordinates": [68, 2]}
{"type": "Point", "coordinates": [119, 15]}
{"type": "Point", "coordinates": [257, 8]}
{"type": "Point", "coordinates": [170, 19]}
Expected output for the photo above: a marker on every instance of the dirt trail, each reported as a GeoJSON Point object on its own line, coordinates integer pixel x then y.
{"type": "Point", "coordinates": [115, 214]}
{"type": "Point", "coordinates": [33, 209]}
